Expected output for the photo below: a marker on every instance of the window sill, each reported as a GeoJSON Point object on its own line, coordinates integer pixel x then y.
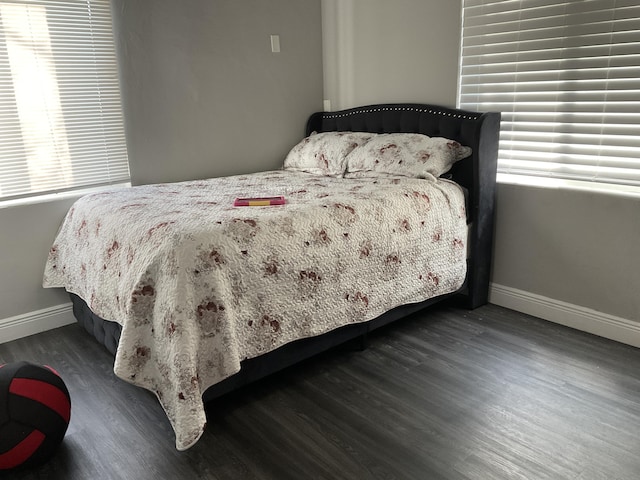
{"type": "Point", "coordinates": [576, 185]}
{"type": "Point", "coordinates": [52, 197]}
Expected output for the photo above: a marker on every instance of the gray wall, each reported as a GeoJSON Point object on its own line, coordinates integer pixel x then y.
{"type": "Point", "coordinates": [578, 247]}
{"type": "Point", "coordinates": [203, 96]}
{"type": "Point", "coordinates": [377, 51]}
{"type": "Point", "coordinates": [26, 234]}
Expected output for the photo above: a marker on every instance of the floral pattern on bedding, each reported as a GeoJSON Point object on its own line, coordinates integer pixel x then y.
{"type": "Point", "coordinates": [199, 285]}
{"type": "Point", "coordinates": [407, 154]}
{"type": "Point", "coordinates": [324, 153]}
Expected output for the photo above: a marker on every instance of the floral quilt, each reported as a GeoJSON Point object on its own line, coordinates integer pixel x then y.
{"type": "Point", "coordinates": [199, 285]}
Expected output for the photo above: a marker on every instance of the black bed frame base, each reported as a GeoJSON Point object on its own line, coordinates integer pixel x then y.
{"type": "Point", "coordinates": [254, 369]}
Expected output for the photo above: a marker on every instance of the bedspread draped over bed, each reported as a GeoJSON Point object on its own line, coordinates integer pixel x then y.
{"type": "Point", "coordinates": [199, 285]}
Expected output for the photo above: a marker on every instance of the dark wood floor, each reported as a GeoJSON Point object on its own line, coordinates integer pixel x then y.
{"type": "Point", "coordinates": [445, 394]}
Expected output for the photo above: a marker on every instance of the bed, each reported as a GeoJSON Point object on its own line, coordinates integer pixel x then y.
{"type": "Point", "coordinates": [196, 297]}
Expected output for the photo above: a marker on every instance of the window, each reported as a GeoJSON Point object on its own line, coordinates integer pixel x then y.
{"type": "Point", "coordinates": [61, 125]}
{"type": "Point", "coordinates": [566, 76]}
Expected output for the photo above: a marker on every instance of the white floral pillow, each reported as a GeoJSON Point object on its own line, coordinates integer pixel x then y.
{"type": "Point", "coordinates": [407, 154]}
{"type": "Point", "coordinates": [325, 153]}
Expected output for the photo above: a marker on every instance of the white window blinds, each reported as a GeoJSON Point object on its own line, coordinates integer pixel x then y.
{"type": "Point", "coordinates": [566, 76]}
{"type": "Point", "coordinates": [61, 123]}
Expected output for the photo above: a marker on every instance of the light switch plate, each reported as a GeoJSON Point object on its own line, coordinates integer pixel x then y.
{"type": "Point", "coordinates": [275, 43]}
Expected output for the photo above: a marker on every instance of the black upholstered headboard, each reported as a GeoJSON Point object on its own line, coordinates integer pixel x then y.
{"type": "Point", "coordinates": [477, 174]}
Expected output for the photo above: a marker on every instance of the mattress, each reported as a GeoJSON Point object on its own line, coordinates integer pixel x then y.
{"type": "Point", "coordinates": [199, 285]}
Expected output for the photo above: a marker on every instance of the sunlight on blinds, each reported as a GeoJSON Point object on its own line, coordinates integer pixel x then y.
{"type": "Point", "coordinates": [565, 75]}
{"type": "Point", "coordinates": [37, 98]}
{"type": "Point", "coordinates": [61, 124]}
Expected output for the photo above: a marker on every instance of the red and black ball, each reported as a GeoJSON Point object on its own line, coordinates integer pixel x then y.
{"type": "Point", "coordinates": [35, 409]}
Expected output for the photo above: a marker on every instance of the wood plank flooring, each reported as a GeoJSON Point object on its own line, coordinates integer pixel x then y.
{"type": "Point", "coordinates": [445, 394]}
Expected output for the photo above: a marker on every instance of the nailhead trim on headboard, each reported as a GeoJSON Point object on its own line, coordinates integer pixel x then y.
{"type": "Point", "coordinates": [405, 109]}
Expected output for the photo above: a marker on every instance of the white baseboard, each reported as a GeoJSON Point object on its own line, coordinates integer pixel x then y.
{"type": "Point", "coordinates": [31, 323]}
{"type": "Point", "coordinates": [574, 316]}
